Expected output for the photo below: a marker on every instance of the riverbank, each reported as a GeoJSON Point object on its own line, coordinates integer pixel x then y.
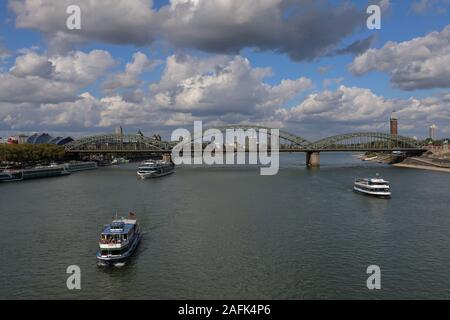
{"type": "Point", "coordinates": [414, 166]}
{"type": "Point", "coordinates": [424, 164]}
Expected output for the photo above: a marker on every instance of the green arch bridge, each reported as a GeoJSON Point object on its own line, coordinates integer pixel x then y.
{"type": "Point", "coordinates": [351, 142]}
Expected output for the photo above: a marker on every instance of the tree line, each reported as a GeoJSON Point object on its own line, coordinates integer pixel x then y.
{"type": "Point", "coordinates": [31, 153]}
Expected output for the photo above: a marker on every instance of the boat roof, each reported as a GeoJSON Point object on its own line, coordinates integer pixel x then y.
{"type": "Point", "coordinates": [122, 226]}
{"type": "Point", "coordinates": [375, 180]}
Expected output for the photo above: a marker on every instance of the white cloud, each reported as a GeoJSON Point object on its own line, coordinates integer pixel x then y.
{"type": "Point", "coordinates": [82, 67]}
{"type": "Point", "coordinates": [350, 109]}
{"type": "Point", "coordinates": [83, 113]}
{"type": "Point", "coordinates": [344, 104]}
{"type": "Point", "coordinates": [32, 64]}
{"type": "Point", "coordinates": [332, 82]}
{"type": "Point", "coordinates": [421, 63]}
{"type": "Point", "coordinates": [130, 77]}
{"type": "Point", "coordinates": [218, 89]}
{"type": "Point", "coordinates": [221, 85]}
{"type": "Point", "coordinates": [35, 89]}
{"type": "Point", "coordinates": [112, 21]}
{"type": "Point", "coordinates": [180, 67]}
{"type": "Point", "coordinates": [39, 79]}
{"type": "Point", "coordinates": [347, 109]}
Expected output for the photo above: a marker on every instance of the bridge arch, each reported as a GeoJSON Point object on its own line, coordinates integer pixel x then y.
{"type": "Point", "coordinates": [117, 143]}
{"type": "Point", "coordinates": [296, 141]}
{"type": "Point", "coordinates": [365, 140]}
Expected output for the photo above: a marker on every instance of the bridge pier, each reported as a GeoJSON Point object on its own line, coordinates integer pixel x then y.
{"type": "Point", "coordinates": [313, 159]}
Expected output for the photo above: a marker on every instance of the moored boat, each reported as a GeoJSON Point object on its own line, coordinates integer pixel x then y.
{"type": "Point", "coordinates": [375, 187]}
{"type": "Point", "coordinates": [44, 172]}
{"type": "Point", "coordinates": [155, 169]}
{"type": "Point", "coordinates": [80, 166]}
{"type": "Point", "coordinates": [8, 176]}
{"type": "Point", "coordinates": [33, 173]}
{"type": "Point", "coordinates": [119, 240]}
{"type": "Point", "coordinates": [117, 161]}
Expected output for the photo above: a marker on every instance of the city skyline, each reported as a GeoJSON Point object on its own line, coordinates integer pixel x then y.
{"type": "Point", "coordinates": [154, 72]}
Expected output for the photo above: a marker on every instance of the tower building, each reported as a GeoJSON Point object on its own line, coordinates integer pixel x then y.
{"type": "Point", "coordinates": [394, 124]}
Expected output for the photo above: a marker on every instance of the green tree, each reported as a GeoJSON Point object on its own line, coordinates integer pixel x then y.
{"type": "Point", "coordinates": [28, 153]}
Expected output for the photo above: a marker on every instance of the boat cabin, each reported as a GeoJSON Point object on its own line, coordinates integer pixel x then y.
{"type": "Point", "coordinates": [377, 182]}
{"type": "Point", "coordinates": [118, 232]}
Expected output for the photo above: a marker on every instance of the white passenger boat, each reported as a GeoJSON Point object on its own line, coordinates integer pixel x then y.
{"type": "Point", "coordinates": [375, 187]}
{"type": "Point", "coordinates": [119, 240]}
{"type": "Point", "coordinates": [155, 169]}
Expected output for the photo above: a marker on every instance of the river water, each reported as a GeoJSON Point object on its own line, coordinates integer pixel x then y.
{"type": "Point", "coordinates": [229, 233]}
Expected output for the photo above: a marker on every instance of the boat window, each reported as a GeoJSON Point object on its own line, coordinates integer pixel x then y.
{"type": "Point", "coordinates": [117, 225]}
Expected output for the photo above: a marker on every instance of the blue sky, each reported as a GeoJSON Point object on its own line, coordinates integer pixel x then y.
{"type": "Point", "coordinates": [401, 22]}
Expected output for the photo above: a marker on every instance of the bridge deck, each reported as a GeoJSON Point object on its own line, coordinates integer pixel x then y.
{"type": "Point", "coordinates": [124, 151]}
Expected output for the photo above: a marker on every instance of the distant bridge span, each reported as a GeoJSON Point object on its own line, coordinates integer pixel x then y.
{"type": "Point", "coordinates": [115, 144]}
{"type": "Point", "coordinates": [295, 140]}
{"type": "Point", "coordinates": [351, 142]}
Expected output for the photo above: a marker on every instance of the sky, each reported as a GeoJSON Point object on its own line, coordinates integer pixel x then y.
{"type": "Point", "coordinates": [311, 68]}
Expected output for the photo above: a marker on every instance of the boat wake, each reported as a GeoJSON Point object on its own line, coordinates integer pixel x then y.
{"type": "Point", "coordinates": [119, 264]}
{"type": "Point", "coordinates": [108, 265]}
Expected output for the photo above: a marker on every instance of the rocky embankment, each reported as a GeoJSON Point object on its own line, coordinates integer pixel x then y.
{"type": "Point", "coordinates": [425, 164]}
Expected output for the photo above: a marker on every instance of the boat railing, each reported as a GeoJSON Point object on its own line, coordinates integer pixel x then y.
{"type": "Point", "coordinates": [112, 241]}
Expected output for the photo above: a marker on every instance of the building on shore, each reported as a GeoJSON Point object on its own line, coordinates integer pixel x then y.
{"type": "Point", "coordinates": [439, 151]}
{"type": "Point", "coordinates": [61, 141]}
{"type": "Point", "coordinates": [394, 124]}
{"type": "Point", "coordinates": [44, 138]}
{"type": "Point", "coordinates": [39, 138]}
{"type": "Point", "coordinates": [22, 138]}
{"type": "Point", "coordinates": [10, 140]}
{"type": "Point", "coordinates": [432, 132]}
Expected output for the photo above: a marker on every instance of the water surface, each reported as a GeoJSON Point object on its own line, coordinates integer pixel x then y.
{"type": "Point", "coordinates": [229, 233]}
